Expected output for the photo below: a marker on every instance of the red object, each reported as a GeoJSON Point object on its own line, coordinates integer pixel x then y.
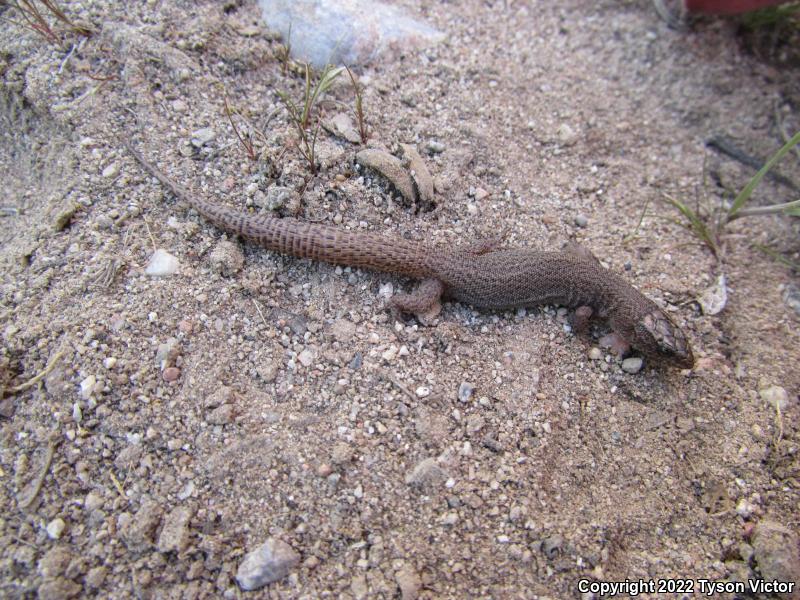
{"type": "Point", "coordinates": [727, 7]}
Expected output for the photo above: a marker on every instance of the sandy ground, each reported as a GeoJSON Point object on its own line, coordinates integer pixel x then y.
{"type": "Point", "coordinates": [252, 397]}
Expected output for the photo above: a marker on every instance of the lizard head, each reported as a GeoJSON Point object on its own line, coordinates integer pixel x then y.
{"type": "Point", "coordinates": [657, 336]}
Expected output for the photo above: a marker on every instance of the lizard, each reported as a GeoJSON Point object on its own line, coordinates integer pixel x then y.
{"type": "Point", "coordinates": [483, 275]}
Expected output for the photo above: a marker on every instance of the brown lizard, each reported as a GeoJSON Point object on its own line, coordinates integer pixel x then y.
{"type": "Point", "coordinates": [482, 275]}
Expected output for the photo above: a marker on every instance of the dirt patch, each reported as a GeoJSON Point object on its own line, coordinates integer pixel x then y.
{"type": "Point", "coordinates": [254, 401]}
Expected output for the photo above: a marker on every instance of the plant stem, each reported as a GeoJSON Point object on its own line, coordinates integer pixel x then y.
{"type": "Point", "coordinates": [762, 210]}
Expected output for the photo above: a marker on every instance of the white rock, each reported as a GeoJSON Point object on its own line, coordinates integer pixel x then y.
{"type": "Point", "coordinates": [269, 562]}
{"type": "Point", "coordinates": [55, 528]}
{"type": "Point", "coordinates": [714, 299]}
{"type": "Point", "coordinates": [566, 135]}
{"type": "Point", "coordinates": [162, 264]}
{"type": "Point", "coordinates": [632, 365]}
{"type": "Point", "coordinates": [386, 290]}
{"type": "Point", "coordinates": [87, 387]}
{"type": "Point", "coordinates": [203, 136]}
{"type": "Point", "coordinates": [111, 171]}
{"type": "Point", "coordinates": [306, 358]}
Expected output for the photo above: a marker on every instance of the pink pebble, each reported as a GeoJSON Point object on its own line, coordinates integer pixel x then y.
{"type": "Point", "coordinates": [171, 374]}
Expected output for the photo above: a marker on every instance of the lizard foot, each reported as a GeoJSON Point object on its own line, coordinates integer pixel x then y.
{"type": "Point", "coordinates": [425, 302]}
{"type": "Point", "coordinates": [580, 319]}
{"type": "Point", "coordinates": [484, 246]}
{"type": "Point", "coordinates": [616, 343]}
{"type": "Point", "coordinates": [580, 251]}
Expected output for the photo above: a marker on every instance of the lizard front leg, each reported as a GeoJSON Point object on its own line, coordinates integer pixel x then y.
{"type": "Point", "coordinates": [613, 341]}
{"type": "Point", "coordinates": [425, 302]}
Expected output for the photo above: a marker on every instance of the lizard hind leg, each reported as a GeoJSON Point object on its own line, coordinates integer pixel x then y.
{"type": "Point", "coordinates": [425, 302]}
{"type": "Point", "coordinates": [581, 318]}
{"type": "Point", "coordinates": [483, 246]}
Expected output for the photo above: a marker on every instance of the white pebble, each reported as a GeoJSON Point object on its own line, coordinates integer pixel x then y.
{"type": "Point", "coordinates": [386, 291]}
{"type": "Point", "coordinates": [306, 358]}
{"type": "Point", "coordinates": [632, 365]}
{"type": "Point", "coordinates": [87, 387]}
{"type": "Point", "coordinates": [55, 528]}
{"type": "Point", "coordinates": [111, 171]}
{"type": "Point", "coordinates": [423, 391]}
{"type": "Point", "coordinates": [745, 508]}
{"type": "Point", "coordinates": [162, 264]}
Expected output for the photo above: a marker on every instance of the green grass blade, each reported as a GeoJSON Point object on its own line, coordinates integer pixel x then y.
{"type": "Point", "coordinates": [747, 191]}
{"type": "Point", "coordinates": [696, 224]}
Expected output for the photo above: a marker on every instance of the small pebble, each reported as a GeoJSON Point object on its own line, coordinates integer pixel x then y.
{"type": "Point", "coordinates": [167, 353]}
{"type": "Point", "coordinates": [423, 391]}
{"type": "Point", "coordinates": [465, 391]}
{"type": "Point", "coordinates": [203, 136]}
{"type": "Point", "coordinates": [435, 147]}
{"type": "Point", "coordinates": [566, 135]}
{"type": "Point", "coordinates": [111, 171]}
{"type": "Point", "coordinates": [279, 197]}
{"type": "Point", "coordinates": [95, 577]}
{"type": "Point", "coordinates": [306, 358]}
{"type": "Point", "coordinates": [342, 453]}
{"type": "Point", "coordinates": [87, 387]}
{"type": "Point", "coordinates": [175, 534]}
{"type": "Point", "coordinates": [409, 582]}
{"type": "Point", "coordinates": [776, 549]}
{"type": "Point", "coordinates": [481, 194]}
{"type": "Point", "coordinates": [171, 374]}
{"type": "Point", "coordinates": [745, 508]}
{"type": "Point", "coordinates": [581, 220]}
{"type": "Point", "coordinates": [226, 258]}
{"type": "Point", "coordinates": [162, 264]}
{"type": "Point", "coordinates": [791, 297]}
{"type": "Point", "coordinates": [222, 415]}
{"type": "Point", "coordinates": [93, 501]}
{"type": "Point", "coordinates": [632, 364]}
{"type": "Point", "coordinates": [55, 528]}
{"type": "Point", "coordinates": [595, 353]}
{"type": "Point", "coordinates": [426, 473]}
{"type": "Point", "coordinates": [269, 562]}
{"type": "Point", "coordinates": [551, 546]}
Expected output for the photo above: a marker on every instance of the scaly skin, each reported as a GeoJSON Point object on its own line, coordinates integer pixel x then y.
{"type": "Point", "coordinates": [481, 275]}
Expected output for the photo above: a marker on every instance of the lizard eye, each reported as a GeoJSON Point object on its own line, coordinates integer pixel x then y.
{"type": "Point", "coordinates": [668, 339]}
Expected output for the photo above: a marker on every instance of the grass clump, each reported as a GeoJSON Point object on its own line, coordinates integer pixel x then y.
{"type": "Point", "coordinates": [36, 18]}
{"type": "Point", "coordinates": [708, 224]}
{"type": "Point", "coordinates": [245, 138]}
{"type": "Point", "coordinates": [359, 108]}
{"type": "Point", "coordinates": [300, 114]}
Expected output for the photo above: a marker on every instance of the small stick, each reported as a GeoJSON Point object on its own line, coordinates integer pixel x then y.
{"type": "Point", "coordinates": [117, 485]}
{"type": "Point", "coordinates": [32, 382]}
{"type": "Point", "coordinates": [39, 482]}
{"type": "Point", "coordinates": [150, 233]}
{"type": "Point", "coordinates": [258, 308]}
{"type": "Point", "coordinates": [396, 382]}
